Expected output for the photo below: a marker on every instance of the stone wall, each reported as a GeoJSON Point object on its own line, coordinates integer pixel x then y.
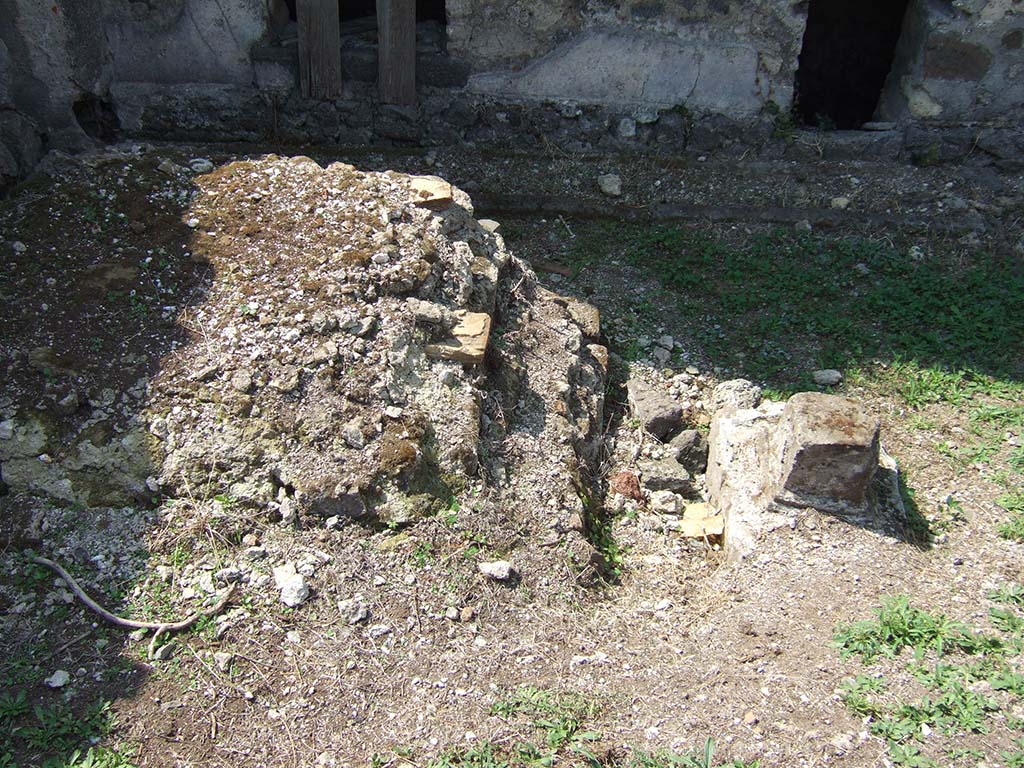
{"type": "Point", "coordinates": [185, 41]}
{"type": "Point", "coordinates": [579, 74]}
{"type": "Point", "coordinates": [959, 61]}
{"type": "Point", "coordinates": [713, 56]}
{"type": "Point", "coordinates": [20, 139]}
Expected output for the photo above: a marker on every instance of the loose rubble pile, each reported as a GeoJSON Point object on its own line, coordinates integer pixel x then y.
{"type": "Point", "coordinates": [364, 350]}
{"type": "Point", "coordinates": [761, 461]}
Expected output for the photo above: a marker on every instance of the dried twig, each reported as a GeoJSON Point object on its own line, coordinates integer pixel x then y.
{"type": "Point", "coordinates": [161, 628]}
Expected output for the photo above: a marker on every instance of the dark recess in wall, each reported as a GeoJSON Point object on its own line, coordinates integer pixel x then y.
{"type": "Point", "coordinates": [426, 10]}
{"type": "Point", "coordinates": [96, 116]}
{"type": "Point", "coordinates": [847, 54]}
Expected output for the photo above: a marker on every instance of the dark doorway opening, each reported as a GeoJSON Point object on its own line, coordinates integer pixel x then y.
{"type": "Point", "coordinates": [350, 10]}
{"type": "Point", "coordinates": [847, 54]}
{"type": "Point", "coordinates": [426, 10]}
{"type": "Point", "coordinates": [359, 20]}
{"type": "Point", "coordinates": [364, 12]}
{"type": "Point", "coordinates": [96, 116]}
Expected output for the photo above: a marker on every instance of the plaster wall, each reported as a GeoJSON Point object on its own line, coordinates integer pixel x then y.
{"type": "Point", "coordinates": [184, 41]}
{"type": "Point", "coordinates": [713, 56]}
{"type": "Point", "coordinates": [958, 61]}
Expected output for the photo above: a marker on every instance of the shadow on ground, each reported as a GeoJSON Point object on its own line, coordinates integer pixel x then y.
{"type": "Point", "coordinates": [98, 273]}
{"type": "Point", "coordinates": [775, 305]}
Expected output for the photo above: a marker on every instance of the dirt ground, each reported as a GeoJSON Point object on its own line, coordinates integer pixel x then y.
{"type": "Point", "coordinates": [673, 646]}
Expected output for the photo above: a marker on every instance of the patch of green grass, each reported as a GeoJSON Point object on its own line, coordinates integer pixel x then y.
{"type": "Point", "coordinates": [785, 302]}
{"type": "Point", "coordinates": [558, 719]}
{"type": "Point", "coordinates": [423, 554]}
{"type": "Point", "coordinates": [910, 756]}
{"type": "Point", "coordinates": [973, 678]}
{"type": "Point", "coordinates": [855, 694]}
{"type": "Point", "coordinates": [558, 734]}
{"type": "Point", "coordinates": [921, 423]}
{"type": "Point", "coordinates": [702, 757]}
{"type": "Point", "coordinates": [541, 703]}
{"type": "Point", "coordinates": [59, 727]}
{"type": "Point", "coordinates": [1013, 529]}
{"type": "Point", "coordinates": [1014, 758]}
{"type": "Point", "coordinates": [486, 755]}
{"type": "Point", "coordinates": [1007, 620]}
{"type": "Point", "coordinates": [965, 753]}
{"type": "Point", "coordinates": [957, 710]}
{"type": "Point", "coordinates": [1008, 594]}
{"type": "Point", "coordinates": [900, 625]}
{"type": "Point", "coordinates": [95, 757]}
{"type": "Point", "coordinates": [1001, 416]}
{"type": "Point", "coordinates": [1016, 459]}
{"type": "Point", "coordinates": [54, 735]}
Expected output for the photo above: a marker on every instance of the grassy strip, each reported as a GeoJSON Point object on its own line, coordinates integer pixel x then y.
{"type": "Point", "coordinates": [784, 301]}
{"type": "Point", "coordinates": [973, 678]}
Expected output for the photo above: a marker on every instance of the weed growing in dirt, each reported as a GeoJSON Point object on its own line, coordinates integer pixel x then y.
{"type": "Point", "coordinates": [1013, 529]}
{"type": "Point", "coordinates": [973, 679]}
{"type": "Point", "coordinates": [899, 625]}
{"type": "Point", "coordinates": [1014, 758]}
{"type": "Point", "coordinates": [559, 719]}
{"type": "Point", "coordinates": [556, 733]}
{"type": "Point", "coordinates": [855, 694]}
{"type": "Point", "coordinates": [783, 123]}
{"type": "Point", "coordinates": [53, 735]}
{"type": "Point", "coordinates": [696, 758]}
{"type": "Point", "coordinates": [1008, 594]}
{"type": "Point", "coordinates": [423, 555]}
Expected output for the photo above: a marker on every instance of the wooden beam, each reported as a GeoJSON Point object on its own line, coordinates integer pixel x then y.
{"type": "Point", "coordinates": [319, 48]}
{"type": "Point", "coordinates": [396, 24]}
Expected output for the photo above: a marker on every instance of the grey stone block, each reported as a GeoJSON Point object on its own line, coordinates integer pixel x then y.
{"type": "Point", "coordinates": [828, 453]}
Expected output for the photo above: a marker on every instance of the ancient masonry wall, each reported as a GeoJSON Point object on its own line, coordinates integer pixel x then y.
{"type": "Point", "coordinates": [578, 74]}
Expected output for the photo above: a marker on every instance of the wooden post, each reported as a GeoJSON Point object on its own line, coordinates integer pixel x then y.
{"type": "Point", "coordinates": [319, 48]}
{"type": "Point", "coordinates": [396, 46]}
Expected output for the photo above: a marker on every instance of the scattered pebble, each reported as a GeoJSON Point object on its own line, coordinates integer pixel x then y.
{"type": "Point", "coordinates": [827, 377]}
{"type": "Point", "coordinates": [292, 584]}
{"type": "Point", "coordinates": [499, 570]}
{"type": "Point", "coordinates": [58, 679]}
{"type": "Point", "coordinates": [610, 184]}
{"type": "Point", "coordinates": [164, 652]}
{"type": "Point", "coordinates": [354, 610]}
